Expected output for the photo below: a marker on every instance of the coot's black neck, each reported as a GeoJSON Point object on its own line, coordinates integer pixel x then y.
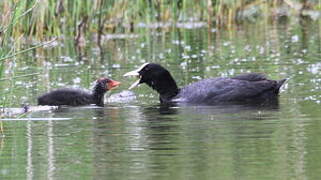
{"type": "Point", "coordinates": [165, 86]}
{"type": "Point", "coordinates": [98, 96]}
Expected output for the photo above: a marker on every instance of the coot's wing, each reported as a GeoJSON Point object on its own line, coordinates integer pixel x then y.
{"type": "Point", "coordinates": [244, 90]}
{"type": "Point", "coordinates": [224, 90]}
{"type": "Point", "coordinates": [262, 81]}
{"type": "Point", "coordinates": [251, 77]}
{"type": "Point", "coordinates": [203, 91]}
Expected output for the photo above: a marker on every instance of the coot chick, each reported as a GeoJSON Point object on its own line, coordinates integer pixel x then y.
{"type": "Point", "coordinates": [77, 97]}
{"type": "Point", "coordinates": [244, 88]}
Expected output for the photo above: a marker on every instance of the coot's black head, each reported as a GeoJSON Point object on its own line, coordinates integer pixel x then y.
{"type": "Point", "coordinates": [156, 77]}
{"type": "Point", "coordinates": [104, 84]}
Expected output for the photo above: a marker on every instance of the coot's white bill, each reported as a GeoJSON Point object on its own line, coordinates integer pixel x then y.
{"type": "Point", "coordinates": [135, 73]}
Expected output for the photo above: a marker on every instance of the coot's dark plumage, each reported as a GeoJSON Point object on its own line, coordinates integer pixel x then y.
{"type": "Point", "coordinates": [77, 97]}
{"type": "Point", "coordinates": [245, 88]}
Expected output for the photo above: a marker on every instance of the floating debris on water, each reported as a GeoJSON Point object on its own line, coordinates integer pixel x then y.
{"type": "Point", "coordinates": [10, 112]}
{"type": "Point", "coordinates": [34, 119]}
{"type": "Point", "coordinates": [122, 97]}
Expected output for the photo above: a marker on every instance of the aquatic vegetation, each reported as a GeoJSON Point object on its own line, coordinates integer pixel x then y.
{"type": "Point", "coordinates": [11, 47]}
{"type": "Point", "coordinates": [79, 19]}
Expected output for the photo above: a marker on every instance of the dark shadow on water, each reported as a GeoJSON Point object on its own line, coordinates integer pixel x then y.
{"type": "Point", "coordinates": [172, 109]}
{"type": "Point", "coordinates": [231, 109]}
{"type": "Point", "coordinates": [160, 109]}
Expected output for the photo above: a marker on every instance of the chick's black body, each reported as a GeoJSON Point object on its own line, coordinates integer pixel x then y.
{"type": "Point", "coordinates": [70, 97]}
{"type": "Point", "coordinates": [76, 97]}
{"type": "Point", "coordinates": [245, 88]}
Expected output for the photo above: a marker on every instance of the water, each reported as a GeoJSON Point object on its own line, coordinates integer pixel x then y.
{"type": "Point", "coordinates": [137, 138]}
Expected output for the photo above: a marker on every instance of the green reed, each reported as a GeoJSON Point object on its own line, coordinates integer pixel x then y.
{"type": "Point", "coordinates": [10, 41]}
{"type": "Point", "coordinates": [79, 19]}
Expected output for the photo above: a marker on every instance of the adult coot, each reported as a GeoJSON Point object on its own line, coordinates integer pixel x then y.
{"type": "Point", "coordinates": [77, 97]}
{"type": "Point", "coordinates": [244, 88]}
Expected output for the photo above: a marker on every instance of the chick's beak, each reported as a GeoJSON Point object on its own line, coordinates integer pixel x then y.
{"type": "Point", "coordinates": [113, 84]}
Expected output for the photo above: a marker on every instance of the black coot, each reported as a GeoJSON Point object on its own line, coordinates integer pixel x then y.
{"type": "Point", "coordinates": [245, 88]}
{"type": "Point", "coordinates": [77, 97]}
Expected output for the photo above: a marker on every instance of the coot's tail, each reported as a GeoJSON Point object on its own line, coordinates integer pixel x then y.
{"type": "Point", "coordinates": [279, 84]}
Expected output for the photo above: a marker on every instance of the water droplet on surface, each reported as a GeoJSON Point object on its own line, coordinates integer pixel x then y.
{"type": "Point", "coordinates": [77, 80]}
{"type": "Point", "coordinates": [295, 38]}
{"type": "Point", "coordinates": [116, 66]}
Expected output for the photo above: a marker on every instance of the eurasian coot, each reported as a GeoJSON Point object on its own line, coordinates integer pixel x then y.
{"type": "Point", "coordinates": [77, 97]}
{"type": "Point", "coordinates": [244, 88]}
